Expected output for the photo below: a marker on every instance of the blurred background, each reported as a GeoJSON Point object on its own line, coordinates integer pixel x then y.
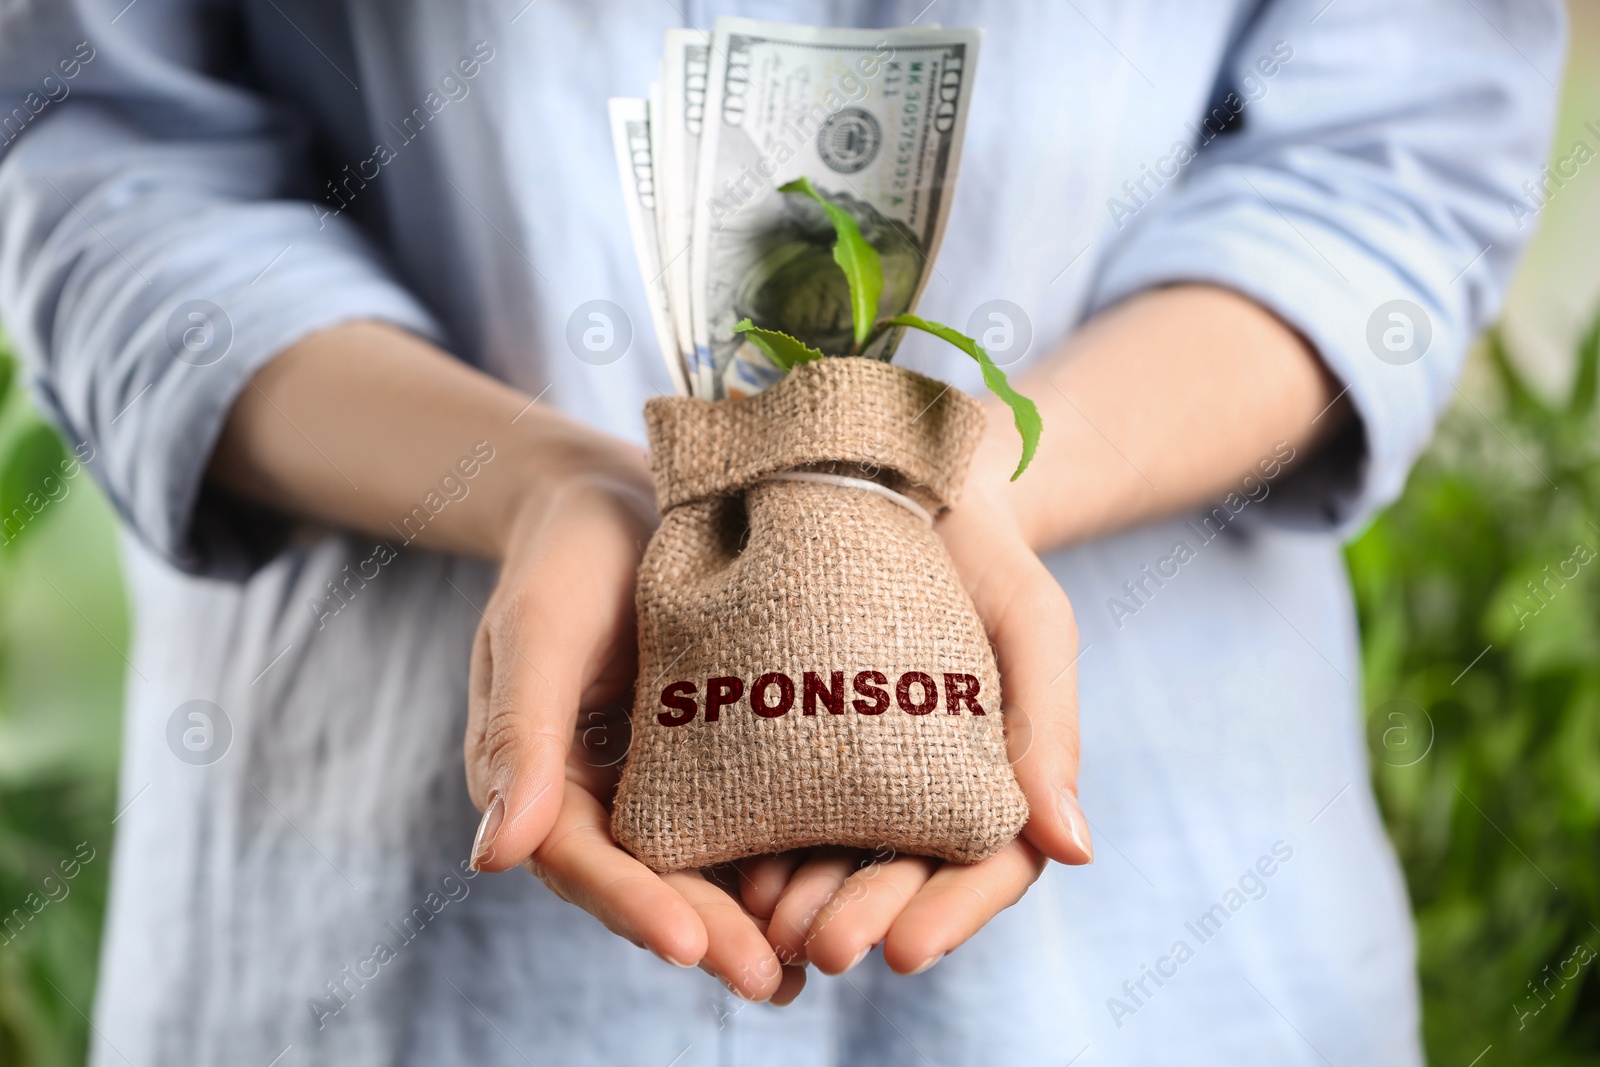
{"type": "Point", "coordinates": [1482, 677]}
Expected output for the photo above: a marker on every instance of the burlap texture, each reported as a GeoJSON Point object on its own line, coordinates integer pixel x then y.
{"type": "Point", "coordinates": [747, 577]}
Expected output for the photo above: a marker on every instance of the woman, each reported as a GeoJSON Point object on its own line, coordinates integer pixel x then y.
{"type": "Point", "coordinates": [374, 505]}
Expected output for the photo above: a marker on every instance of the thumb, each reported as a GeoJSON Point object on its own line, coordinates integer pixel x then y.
{"type": "Point", "coordinates": [519, 732]}
{"type": "Point", "coordinates": [1035, 636]}
{"type": "Point", "coordinates": [1036, 645]}
{"type": "Point", "coordinates": [561, 622]}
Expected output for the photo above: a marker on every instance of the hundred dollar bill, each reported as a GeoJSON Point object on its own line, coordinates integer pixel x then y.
{"type": "Point", "coordinates": [875, 118]}
{"type": "Point", "coordinates": [653, 116]}
{"type": "Point", "coordinates": [684, 66]}
{"type": "Point", "coordinates": [630, 139]}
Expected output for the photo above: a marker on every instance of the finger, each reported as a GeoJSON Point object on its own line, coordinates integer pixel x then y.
{"type": "Point", "coordinates": [789, 987]}
{"type": "Point", "coordinates": [579, 861]}
{"type": "Point", "coordinates": [1035, 636]}
{"type": "Point", "coordinates": [956, 903]}
{"type": "Point", "coordinates": [520, 754]}
{"type": "Point", "coordinates": [480, 675]}
{"type": "Point", "coordinates": [547, 633]}
{"type": "Point", "coordinates": [809, 889]}
{"type": "Point", "coordinates": [762, 880]}
{"type": "Point", "coordinates": [736, 950]}
{"type": "Point", "coordinates": [861, 912]}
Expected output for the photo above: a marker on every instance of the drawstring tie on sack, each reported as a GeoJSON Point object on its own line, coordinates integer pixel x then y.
{"type": "Point", "coordinates": [854, 483]}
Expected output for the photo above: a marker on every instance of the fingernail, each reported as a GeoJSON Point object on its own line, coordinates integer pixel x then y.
{"type": "Point", "coordinates": [929, 962]}
{"type": "Point", "coordinates": [1077, 824]}
{"type": "Point", "coordinates": [483, 843]}
{"type": "Point", "coordinates": [859, 957]}
{"type": "Point", "coordinates": [669, 959]}
{"type": "Point", "coordinates": [748, 999]}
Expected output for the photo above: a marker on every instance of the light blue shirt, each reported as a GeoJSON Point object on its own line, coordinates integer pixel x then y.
{"type": "Point", "coordinates": [1245, 906]}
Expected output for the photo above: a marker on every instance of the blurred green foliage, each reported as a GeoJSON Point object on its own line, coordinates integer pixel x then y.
{"type": "Point", "coordinates": [59, 697]}
{"type": "Point", "coordinates": [1481, 649]}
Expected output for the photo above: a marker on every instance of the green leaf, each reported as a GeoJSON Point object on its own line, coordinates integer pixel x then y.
{"type": "Point", "coordinates": [863, 270]}
{"type": "Point", "coordinates": [784, 351]}
{"type": "Point", "coordinates": [31, 457]}
{"type": "Point", "coordinates": [1023, 411]}
{"type": "Point", "coordinates": [7, 373]}
{"type": "Point", "coordinates": [1523, 402]}
{"type": "Point", "coordinates": [1588, 374]}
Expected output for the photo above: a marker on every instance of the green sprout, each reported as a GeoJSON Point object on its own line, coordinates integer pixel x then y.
{"type": "Point", "coordinates": [863, 272]}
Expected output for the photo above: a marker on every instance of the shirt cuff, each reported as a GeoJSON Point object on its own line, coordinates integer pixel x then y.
{"type": "Point", "coordinates": [1327, 283]}
{"type": "Point", "coordinates": [157, 450]}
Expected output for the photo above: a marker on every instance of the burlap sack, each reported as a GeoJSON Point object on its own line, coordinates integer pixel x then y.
{"type": "Point", "coordinates": [765, 607]}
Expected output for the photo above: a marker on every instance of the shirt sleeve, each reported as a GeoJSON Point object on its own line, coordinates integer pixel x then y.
{"type": "Point", "coordinates": [1369, 191]}
{"type": "Point", "coordinates": [158, 245]}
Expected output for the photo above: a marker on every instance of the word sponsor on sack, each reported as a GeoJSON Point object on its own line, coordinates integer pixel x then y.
{"type": "Point", "coordinates": [772, 695]}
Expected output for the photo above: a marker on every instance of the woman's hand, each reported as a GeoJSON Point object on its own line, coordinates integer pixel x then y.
{"type": "Point", "coordinates": [565, 510]}
{"type": "Point", "coordinates": [551, 684]}
{"type": "Point", "coordinates": [829, 907]}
